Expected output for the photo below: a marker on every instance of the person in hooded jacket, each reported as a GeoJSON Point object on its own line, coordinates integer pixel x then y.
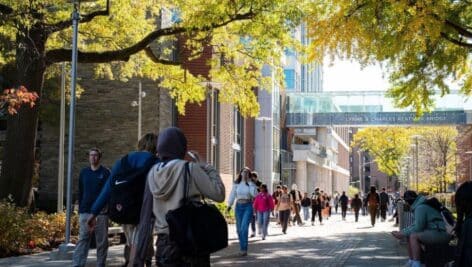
{"type": "Point", "coordinates": [166, 183]}
{"type": "Point", "coordinates": [428, 228]}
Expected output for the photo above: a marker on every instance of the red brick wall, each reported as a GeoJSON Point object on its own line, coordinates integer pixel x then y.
{"type": "Point", "coordinates": [194, 126]}
{"type": "Point", "coordinates": [249, 142]}
{"type": "Point", "coordinates": [194, 122]}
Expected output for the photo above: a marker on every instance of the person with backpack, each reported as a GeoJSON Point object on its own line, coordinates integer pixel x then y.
{"type": "Point", "coordinates": [356, 205]}
{"type": "Point", "coordinates": [124, 189]}
{"type": "Point", "coordinates": [263, 205]}
{"type": "Point", "coordinates": [428, 227]}
{"type": "Point", "coordinates": [343, 200]}
{"type": "Point", "coordinates": [373, 201]}
{"type": "Point", "coordinates": [172, 182]}
{"type": "Point", "coordinates": [316, 206]}
{"type": "Point", "coordinates": [463, 229]}
{"type": "Point", "coordinates": [243, 193]}
{"type": "Point", "coordinates": [91, 182]}
{"type": "Point", "coordinates": [306, 203]}
{"type": "Point", "coordinates": [384, 202]}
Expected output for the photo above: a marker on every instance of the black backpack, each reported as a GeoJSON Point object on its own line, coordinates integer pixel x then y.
{"type": "Point", "coordinates": [127, 189]}
{"type": "Point", "coordinates": [198, 228]}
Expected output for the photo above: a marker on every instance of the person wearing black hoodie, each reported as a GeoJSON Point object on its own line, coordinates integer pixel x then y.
{"type": "Point", "coordinates": [166, 184]}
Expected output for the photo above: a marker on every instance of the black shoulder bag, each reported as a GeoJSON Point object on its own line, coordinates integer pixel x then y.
{"type": "Point", "coordinates": [198, 228]}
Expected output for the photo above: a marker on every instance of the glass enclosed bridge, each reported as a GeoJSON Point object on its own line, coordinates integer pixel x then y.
{"type": "Point", "coordinates": [361, 108]}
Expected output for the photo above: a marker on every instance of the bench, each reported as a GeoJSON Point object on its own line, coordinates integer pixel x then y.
{"type": "Point", "coordinates": [437, 255]}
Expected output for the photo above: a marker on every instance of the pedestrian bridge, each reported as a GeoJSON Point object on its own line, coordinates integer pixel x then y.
{"type": "Point", "coordinates": [363, 108]}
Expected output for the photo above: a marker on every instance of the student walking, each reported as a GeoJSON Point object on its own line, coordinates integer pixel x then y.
{"type": "Point", "coordinates": [91, 181]}
{"type": "Point", "coordinates": [243, 192]}
{"type": "Point", "coordinates": [166, 182]}
{"type": "Point", "coordinates": [373, 201]}
{"type": "Point", "coordinates": [384, 201]}
{"type": "Point", "coordinates": [356, 205]}
{"type": "Point", "coordinates": [144, 158]}
{"type": "Point", "coordinates": [306, 203]}
{"type": "Point", "coordinates": [284, 206]}
{"type": "Point", "coordinates": [316, 205]}
{"type": "Point", "coordinates": [263, 205]}
{"type": "Point", "coordinates": [296, 204]}
{"type": "Point", "coordinates": [255, 180]}
{"type": "Point", "coordinates": [336, 202]}
{"type": "Point", "coordinates": [343, 200]}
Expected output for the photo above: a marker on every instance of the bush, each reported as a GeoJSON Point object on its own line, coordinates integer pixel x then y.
{"type": "Point", "coordinates": [23, 232]}
{"type": "Point", "coordinates": [229, 216]}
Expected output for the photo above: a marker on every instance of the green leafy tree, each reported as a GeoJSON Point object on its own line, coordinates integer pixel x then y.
{"type": "Point", "coordinates": [387, 145]}
{"type": "Point", "coordinates": [121, 39]}
{"type": "Point", "coordinates": [426, 45]}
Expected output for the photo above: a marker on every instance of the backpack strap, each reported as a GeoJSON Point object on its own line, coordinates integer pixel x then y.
{"type": "Point", "coordinates": [186, 178]}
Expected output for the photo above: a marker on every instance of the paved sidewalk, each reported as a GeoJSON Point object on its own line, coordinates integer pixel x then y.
{"type": "Point", "coordinates": [335, 243]}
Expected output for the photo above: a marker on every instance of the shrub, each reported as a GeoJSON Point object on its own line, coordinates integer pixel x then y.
{"type": "Point", "coordinates": [223, 208]}
{"type": "Point", "coordinates": [22, 231]}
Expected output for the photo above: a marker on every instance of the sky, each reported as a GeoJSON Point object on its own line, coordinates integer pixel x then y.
{"type": "Point", "coordinates": [344, 75]}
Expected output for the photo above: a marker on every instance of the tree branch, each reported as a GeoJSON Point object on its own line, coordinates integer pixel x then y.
{"type": "Point", "coordinates": [159, 60]}
{"type": "Point", "coordinates": [459, 28]}
{"type": "Point", "coordinates": [455, 41]}
{"type": "Point", "coordinates": [61, 55]}
{"type": "Point", "coordinates": [5, 10]}
{"type": "Point", "coordinates": [83, 19]}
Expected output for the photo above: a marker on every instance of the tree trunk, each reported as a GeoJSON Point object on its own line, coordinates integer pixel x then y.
{"type": "Point", "coordinates": [19, 151]}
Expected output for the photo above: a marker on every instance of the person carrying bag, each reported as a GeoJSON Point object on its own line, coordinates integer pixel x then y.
{"type": "Point", "coordinates": [175, 187]}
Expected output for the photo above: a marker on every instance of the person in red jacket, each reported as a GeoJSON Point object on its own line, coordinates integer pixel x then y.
{"type": "Point", "coordinates": [263, 205]}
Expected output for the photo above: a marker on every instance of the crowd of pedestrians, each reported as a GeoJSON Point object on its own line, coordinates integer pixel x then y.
{"type": "Point", "coordinates": [170, 179]}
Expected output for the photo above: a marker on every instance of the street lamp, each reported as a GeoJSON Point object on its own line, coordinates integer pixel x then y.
{"type": "Point", "coordinates": [138, 104]}
{"type": "Point", "coordinates": [416, 137]}
{"type": "Point", "coordinates": [67, 246]}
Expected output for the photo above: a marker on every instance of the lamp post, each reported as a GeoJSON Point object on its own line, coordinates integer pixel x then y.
{"type": "Point", "coordinates": [138, 104]}
{"type": "Point", "coordinates": [416, 137]}
{"type": "Point", "coordinates": [66, 247]}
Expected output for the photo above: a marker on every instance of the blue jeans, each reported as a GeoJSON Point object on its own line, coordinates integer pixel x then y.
{"type": "Point", "coordinates": [306, 213]}
{"type": "Point", "coordinates": [243, 219]}
{"type": "Point", "coordinates": [263, 221]}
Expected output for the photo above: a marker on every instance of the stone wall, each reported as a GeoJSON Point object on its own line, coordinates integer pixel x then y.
{"type": "Point", "coordinates": [104, 119]}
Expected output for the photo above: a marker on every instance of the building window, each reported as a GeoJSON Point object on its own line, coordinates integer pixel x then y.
{"type": "Point", "coordinates": [238, 141]}
{"type": "Point", "coordinates": [289, 79]}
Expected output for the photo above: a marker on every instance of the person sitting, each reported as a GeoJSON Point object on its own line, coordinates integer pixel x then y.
{"type": "Point", "coordinates": [463, 228]}
{"type": "Point", "coordinates": [428, 228]}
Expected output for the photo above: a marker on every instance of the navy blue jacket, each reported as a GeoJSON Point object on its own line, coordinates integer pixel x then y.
{"type": "Point", "coordinates": [90, 185]}
{"type": "Point", "coordinates": [136, 160]}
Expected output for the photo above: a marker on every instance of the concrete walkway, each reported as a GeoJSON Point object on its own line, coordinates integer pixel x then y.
{"type": "Point", "coordinates": [335, 243]}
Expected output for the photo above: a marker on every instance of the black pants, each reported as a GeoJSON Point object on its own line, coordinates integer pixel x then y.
{"type": "Point", "coordinates": [356, 214]}
{"type": "Point", "coordinates": [296, 217]}
{"type": "Point", "coordinates": [336, 208]}
{"type": "Point", "coordinates": [314, 210]}
{"type": "Point", "coordinates": [383, 211]}
{"type": "Point", "coordinates": [169, 255]}
{"type": "Point", "coordinates": [343, 211]}
{"type": "Point", "coordinates": [253, 224]}
{"type": "Point", "coordinates": [284, 216]}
